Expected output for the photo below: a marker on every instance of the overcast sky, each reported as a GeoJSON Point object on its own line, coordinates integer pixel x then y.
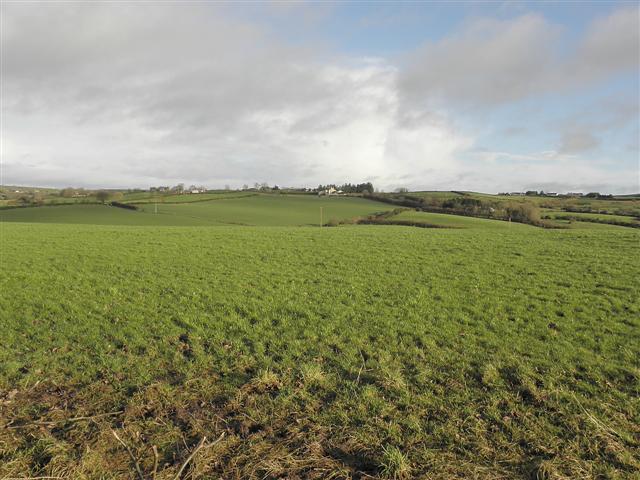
{"type": "Point", "coordinates": [467, 96]}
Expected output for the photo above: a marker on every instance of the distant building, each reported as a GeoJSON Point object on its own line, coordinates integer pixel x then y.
{"type": "Point", "coordinates": [328, 191]}
{"type": "Point", "coordinates": [551, 194]}
{"type": "Point", "coordinates": [575, 194]}
{"type": "Point", "coordinates": [517, 193]}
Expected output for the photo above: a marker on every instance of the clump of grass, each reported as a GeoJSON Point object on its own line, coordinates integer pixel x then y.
{"type": "Point", "coordinates": [393, 380]}
{"type": "Point", "coordinates": [313, 375]}
{"type": "Point", "coordinates": [267, 380]}
{"type": "Point", "coordinates": [394, 463]}
{"type": "Point", "coordinates": [490, 375]}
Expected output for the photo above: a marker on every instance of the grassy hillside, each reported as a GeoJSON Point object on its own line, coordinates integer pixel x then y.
{"type": "Point", "coordinates": [543, 211]}
{"type": "Point", "coordinates": [365, 351]}
{"type": "Point", "coordinates": [91, 214]}
{"type": "Point", "coordinates": [278, 210]}
{"type": "Point", "coordinates": [619, 206]}
{"type": "Point", "coordinates": [457, 221]}
{"type": "Point", "coordinates": [594, 217]}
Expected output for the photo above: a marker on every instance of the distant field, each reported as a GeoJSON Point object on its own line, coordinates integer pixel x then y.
{"type": "Point", "coordinates": [271, 210]}
{"type": "Point", "coordinates": [457, 221]}
{"type": "Point", "coordinates": [184, 198]}
{"type": "Point", "coordinates": [595, 216]}
{"type": "Point", "coordinates": [627, 205]}
{"type": "Point", "coordinates": [527, 209]}
{"type": "Point", "coordinates": [352, 352]}
{"type": "Point", "coordinates": [90, 214]}
{"type": "Point", "coordinates": [585, 225]}
{"type": "Point", "coordinates": [436, 194]}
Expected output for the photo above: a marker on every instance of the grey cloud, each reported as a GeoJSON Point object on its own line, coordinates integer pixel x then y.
{"type": "Point", "coordinates": [611, 44]}
{"type": "Point", "coordinates": [163, 64]}
{"type": "Point", "coordinates": [578, 141]}
{"type": "Point", "coordinates": [514, 131]}
{"type": "Point", "coordinates": [490, 62]}
{"type": "Point", "coordinates": [494, 62]}
{"type": "Point", "coordinates": [615, 114]}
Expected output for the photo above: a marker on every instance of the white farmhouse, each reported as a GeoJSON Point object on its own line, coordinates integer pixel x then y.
{"type": "Point", "coordinates": [328, 191]}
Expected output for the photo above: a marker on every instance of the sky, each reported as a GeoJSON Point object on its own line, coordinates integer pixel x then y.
{"type": "Point", "coordinates": [491, 97]}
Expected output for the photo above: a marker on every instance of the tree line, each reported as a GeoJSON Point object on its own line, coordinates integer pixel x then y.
{"type": "Point", "coordinates": [366, 187]}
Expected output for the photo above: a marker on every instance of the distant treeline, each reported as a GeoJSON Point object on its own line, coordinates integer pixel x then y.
{"type": "Point", "coordinates": [366, 187]}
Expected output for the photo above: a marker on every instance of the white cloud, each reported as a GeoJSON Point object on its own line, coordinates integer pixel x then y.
{"type": "Point", "coordinates": [139, 95]}
{"type": "Point", "coordinates": [548, 170]}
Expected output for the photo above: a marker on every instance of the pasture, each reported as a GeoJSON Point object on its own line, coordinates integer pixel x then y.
{"type": "Point", "coordinates": [457, 221]}
{"type": "Point", "coordinates": [265, 210]}
{"type": "Point", "coordinates": [595, 217]}
{"type": "Point", "coordinates": [299, 352]}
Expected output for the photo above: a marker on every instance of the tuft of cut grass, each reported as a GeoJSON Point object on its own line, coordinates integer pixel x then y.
{"type": "Point", "coordinates": [395, 464]}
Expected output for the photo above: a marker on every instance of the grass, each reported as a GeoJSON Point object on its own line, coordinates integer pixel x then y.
{"type": "Point", "coordinates": [267, 210]}
{"type": "Point", "coordinates": [91, 214]}
{"type": "Point", "coordinates": [457, 221]}
{"type": "Point", "coordinates": [554, 211]}
{"type": "Point", "coordinates": [597, 217]}
{"type": "Point", "coordinates": [440, 194]}
{"type": "Point", "coordinates": [562, 223]}
{"type": "Point", "coordinates": [147, 197]}
{"type": "Point", "coordinates": [622, 205]}
{"type": "Point", "coordinates": [272, 210]}
{"type": "Point", "coordinates": [349, 352]}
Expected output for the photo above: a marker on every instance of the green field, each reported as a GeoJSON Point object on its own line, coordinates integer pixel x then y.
{"type": "Point", "coordinates": [271, 210]}
{"type": "Point", "coordinates": [457, 221]}
{"type": "Point", "coordinates": [560, 221]}
{"type": "Point", "coordinates": [146, 197]}
{"type": "Point", "coordinates": [628, 205]}
{"type": "Point", "coordinates": [351, 352]}
{"type": "Point", "coordinates": [436, 194]}
{"type": "Point", "coordinates": [598, 217]}
{"type": "Point", "coordinates": [89, 214]}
